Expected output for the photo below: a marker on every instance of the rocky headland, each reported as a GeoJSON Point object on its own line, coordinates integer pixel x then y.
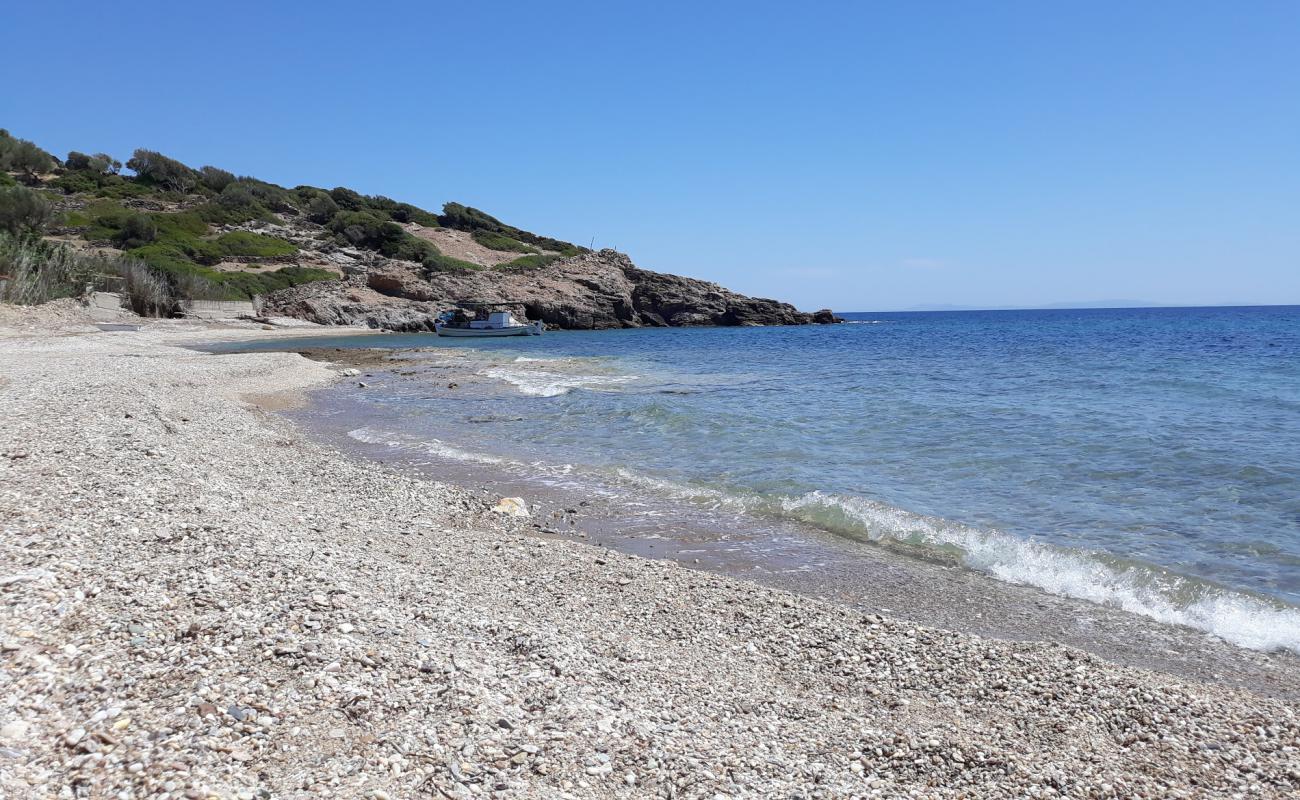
{"type": "Point", "coordinates": [170, 235]}
{"type": "Point", "coordinates": [590, 290]}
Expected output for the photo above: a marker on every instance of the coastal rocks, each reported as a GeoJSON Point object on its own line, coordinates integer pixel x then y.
{"type": "Point", "coordinates": [589, 291]}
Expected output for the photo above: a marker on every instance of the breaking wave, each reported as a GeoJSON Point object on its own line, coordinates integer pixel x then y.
{"type": "Point", "coordinates": [1243, 619]}
{"type": "Point", "coordinates": [544, 383]}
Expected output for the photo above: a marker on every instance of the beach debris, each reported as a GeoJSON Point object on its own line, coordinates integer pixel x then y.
{"type": "Point", "coordinates": [511, 507]}
{"type": "Point", "coordinates": [350, 372]}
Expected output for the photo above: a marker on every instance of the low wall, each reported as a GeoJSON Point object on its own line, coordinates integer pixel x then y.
{"type": "Point", "coordinates": [224, 309]}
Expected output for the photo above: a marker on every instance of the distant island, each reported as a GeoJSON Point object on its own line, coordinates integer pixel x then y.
{"type": "Point", "coordinates": [171, 234]}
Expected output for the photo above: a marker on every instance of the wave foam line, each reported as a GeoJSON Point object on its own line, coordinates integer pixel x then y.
{"type": "Point", "coordinates": [1242, 619]}
{"type": "Point", "coordinates": [540, 383]}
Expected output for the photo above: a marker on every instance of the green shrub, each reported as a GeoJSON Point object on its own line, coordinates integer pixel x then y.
{"type": "Point", "coordinates": [460, 217]}
{"type": "Point", "coordinates": [254, 245]}
{"type": "Point", "coordinates": [75, 182]}
{"type": "Point", "coordinates": [7, 180]}
{"type": "Point", "coordinates": [322, 208]}
{"type": "Point", "coordinates": [270, 196]}
{"type": "Point", "coordinates": [347, 199]}
{"type": "Point", "coordinates": [105, 220]}
{"type": "Point", "coordinates": [530, 262]}
{"type": "Point", "coordinates": [115, 186]}
{"type": "Point", "coordinates": [497, 241]}
{"type": "Point", "coordinates": [251, 284]}
{"type": "Point", "coordinates": [155, 168]}
{"type": "Point", "coordinates": [367, 229]}
{"type": "Point", "coordinates": [442, 263]}
{"type": "Point", "coordinates": [214, 178]}
{"type": "Point", "coordinates": [405, 212]}
{"type": "Point", "coordinates": [165, 256]}
{"type": "Point", "coordinates": [76, 219]}
{"type": "Point", "coordinates": [137, 230]}
{"type": "Point", "coordinates": [23, 209]}
{"type": "Point", "coordinates": [237, 203]}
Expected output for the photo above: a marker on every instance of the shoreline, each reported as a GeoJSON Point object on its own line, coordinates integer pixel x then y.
{"type": "Point", "coordinates": [862, 575]}
{"type": "Point", "coordinates": [199, 599]}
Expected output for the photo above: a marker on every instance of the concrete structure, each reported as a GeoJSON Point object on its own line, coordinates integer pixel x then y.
{"type": "Point", "coordinates": [224, 309]}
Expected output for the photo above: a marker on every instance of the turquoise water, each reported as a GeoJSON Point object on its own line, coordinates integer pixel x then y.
{"type": "Point", "coordinates": [1147, 459]}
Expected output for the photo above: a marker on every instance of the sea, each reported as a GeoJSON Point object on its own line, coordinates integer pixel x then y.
{"type": "Point", "coordinates": [1145, 460]}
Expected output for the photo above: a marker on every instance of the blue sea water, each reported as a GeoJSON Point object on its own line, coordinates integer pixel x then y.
{"type": "Point", "coordinates": [1142, 458]}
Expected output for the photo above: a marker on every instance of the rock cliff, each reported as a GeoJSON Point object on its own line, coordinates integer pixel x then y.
{"type": "Point", "coordinates": [588, 291]}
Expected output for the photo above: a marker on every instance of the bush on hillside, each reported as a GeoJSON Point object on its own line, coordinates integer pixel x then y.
{"type": "Point", "coordinates": [530, 262]}
{"type": "Point", "coordinates": [117, 187]}
{"type": "Point", "coordinates": [465, 218]}
{"type": "Point", "coordinates": [347, 199]}
{"type": "Point", "coordinates": [271, 197]}
{"type": "Point", "coordinates": [254, 245]}
{"type": "Point", "coordinates": [367, 229]}
{"type": "Point", "coordinates": [137, 230]}
{"type": "Point", "coordinates": [322, 208]}
{"type": "Point", "coordinates": [497, 241]}
{"type": "Point", "coordinates": [23, 209]}
{"type": "Point", "coordinates": [441, 263]}
{"type": "Point", "coordinates": [214, 178]}
{"type": "Point", "coordinates": [236, 204]}
{"type": "Point", "coordinates": [75, 183]}
{"type": "Point", "coordinates": [155, 168]}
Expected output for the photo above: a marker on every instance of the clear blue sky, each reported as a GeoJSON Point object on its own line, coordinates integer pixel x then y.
{"type": "Point", "coordinates": [855, 155]}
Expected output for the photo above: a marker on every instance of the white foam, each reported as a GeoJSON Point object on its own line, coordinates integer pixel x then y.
{"type": "Point", "coordinates": [541, 383]}
{"type": "Point", "coordinates": [1239, 618]}
{"type": "Point", "coordinates": [432, 447]}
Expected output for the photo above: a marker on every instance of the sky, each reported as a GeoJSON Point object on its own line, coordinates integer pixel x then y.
{"type": "Point", "coordinates": [859, 156]}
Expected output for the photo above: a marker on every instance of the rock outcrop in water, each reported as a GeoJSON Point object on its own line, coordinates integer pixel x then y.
{"type": "Point", "coordinates": [592, 290]}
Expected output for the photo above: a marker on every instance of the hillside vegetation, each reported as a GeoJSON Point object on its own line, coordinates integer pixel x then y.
{"type": "Point", "coordinates": [206, 233]}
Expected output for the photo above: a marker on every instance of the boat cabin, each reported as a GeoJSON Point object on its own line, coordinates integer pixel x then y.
{"type": "Point", "coordinates": [496, 319]}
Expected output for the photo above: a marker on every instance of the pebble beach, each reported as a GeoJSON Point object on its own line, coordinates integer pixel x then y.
{"type": "Point", "coordinates": [199, 601]}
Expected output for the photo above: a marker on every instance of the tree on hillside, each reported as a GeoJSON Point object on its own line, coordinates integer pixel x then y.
{"type": "Point", "coordinates": [166, 172]}
{"type": "Point", "coordinates": [20, 155]}
{"type": "Point", "coordinates": [98, 164]}
{"type": "Point", "coordinates": [22, 209]}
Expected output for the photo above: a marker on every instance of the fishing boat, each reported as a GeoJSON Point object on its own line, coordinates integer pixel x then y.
{"type": "Point", "coordinates": [485, 322]}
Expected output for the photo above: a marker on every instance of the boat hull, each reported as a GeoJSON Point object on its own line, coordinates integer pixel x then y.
{"type": "Point", "coordinates": [533, 329]}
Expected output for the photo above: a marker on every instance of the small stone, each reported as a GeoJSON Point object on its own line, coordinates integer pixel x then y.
{"type": "Point", "coordinates": [238, 713]}
{"type": "Point", "coordinates": [346, 628]}
{"type": "Point", "coordinates": [14, 731]}
{"type": "Point", "coordinates": [511, 507]}
{"type": "Point", "coordinates": [75, 735]}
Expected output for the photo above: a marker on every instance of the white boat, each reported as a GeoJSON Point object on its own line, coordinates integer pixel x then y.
{"type": "Point", "coordinates": [495, 323]}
